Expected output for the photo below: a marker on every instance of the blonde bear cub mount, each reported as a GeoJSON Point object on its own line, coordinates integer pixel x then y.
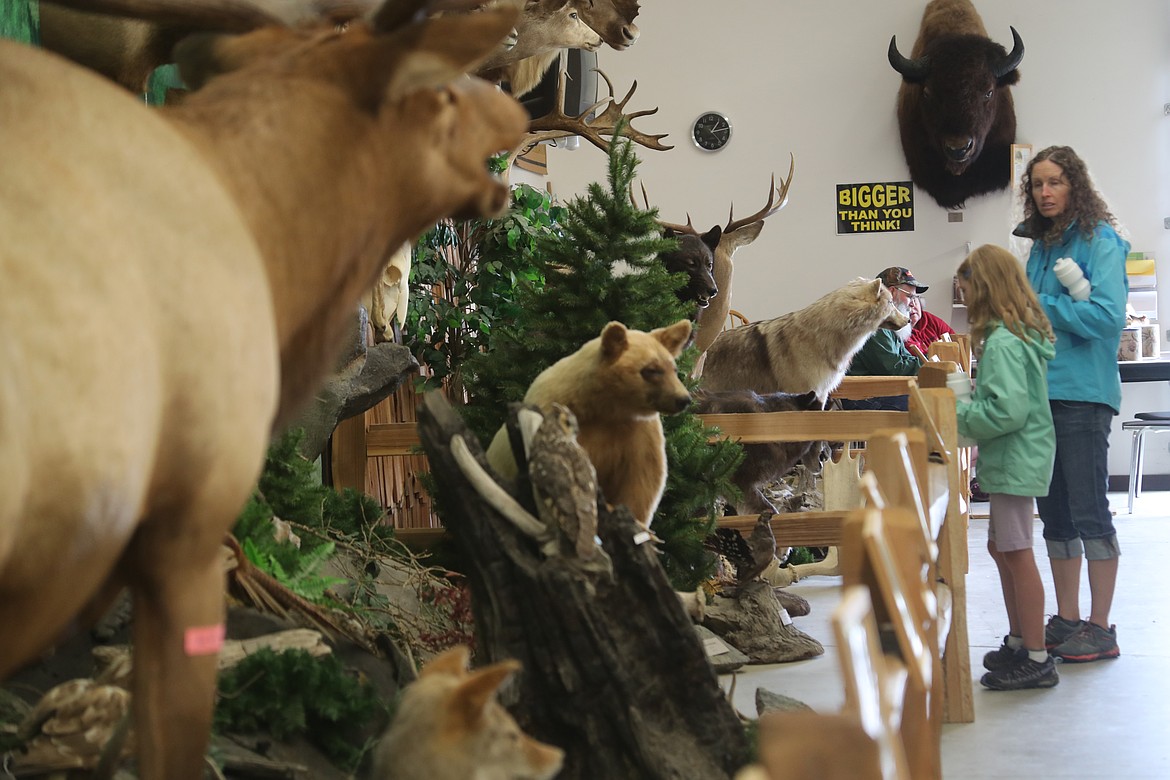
{"type": "Point", "coordinates": [616, 385]}
{"type": "Point", "coordinates": [450, 726]}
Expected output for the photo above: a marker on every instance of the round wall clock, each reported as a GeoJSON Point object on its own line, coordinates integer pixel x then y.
{"type": "Point", "coordinates": [711, 131]}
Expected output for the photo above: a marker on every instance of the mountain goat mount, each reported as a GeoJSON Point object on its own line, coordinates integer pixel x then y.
{"type": "Point", "coordinates": [955, 111]}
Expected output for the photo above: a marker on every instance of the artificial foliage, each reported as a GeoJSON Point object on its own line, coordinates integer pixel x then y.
{"type": "Point", "coordinates": [290, 491]}
{"type": "Point", "coordinates": [473, 271]}
{"type": "Point", "coordinates": [599, 266]}
{"type": "Point", "coordinates": [293, 694]}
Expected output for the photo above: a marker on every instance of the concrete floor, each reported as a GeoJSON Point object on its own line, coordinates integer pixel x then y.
{"type": "Point", "coordinates": [1109, 719]}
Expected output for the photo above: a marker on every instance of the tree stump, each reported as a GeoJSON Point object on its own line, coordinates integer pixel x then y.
{"type": "Point", "coordinates": [614, 672]}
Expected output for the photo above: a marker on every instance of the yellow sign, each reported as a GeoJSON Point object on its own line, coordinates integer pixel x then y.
{"type": "Point", "coordinates": [883, 207]}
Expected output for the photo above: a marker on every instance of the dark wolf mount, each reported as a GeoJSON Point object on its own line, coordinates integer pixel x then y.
{"type": "Point", "coordinates": [614, 672]}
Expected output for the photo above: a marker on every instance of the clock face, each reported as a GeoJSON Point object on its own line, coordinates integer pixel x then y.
{"type": "Point", "coordinates": [711, 131]}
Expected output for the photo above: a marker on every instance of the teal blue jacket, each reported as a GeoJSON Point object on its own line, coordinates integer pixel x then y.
{"type": "Point", "coordinates": [1087, 332]}
{"type": "Point", "coordinates": [1009, 416]}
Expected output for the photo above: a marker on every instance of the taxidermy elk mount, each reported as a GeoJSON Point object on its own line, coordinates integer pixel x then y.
{"type": "Point", "coordinates": [267, 200]}
{"type": "Point", "coordinates": [955, 111]}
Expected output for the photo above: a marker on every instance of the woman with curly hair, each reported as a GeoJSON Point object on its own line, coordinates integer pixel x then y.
{"type": "Point", "coordinates": [1066, 218]}
{"type": "Point", "coordinates": [1009, 417]}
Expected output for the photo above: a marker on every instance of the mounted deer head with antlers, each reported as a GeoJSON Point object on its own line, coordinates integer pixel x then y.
{"type": "Point", "coordinates": [737, 233]}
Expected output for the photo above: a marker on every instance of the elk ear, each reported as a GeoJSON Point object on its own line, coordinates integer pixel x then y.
{"type": "Point", "coordinates": [440, 50]}
{"type": "Point", "coordinates": [614, 341]}
{"type": "Point", "coordinates": [711, 237]}
{"type": "Point", "coordinates": [453, 662]}
{"type": "Point", "coordinates": [473, 694]}
{"type": "Point", "coordinates": [675, 337]}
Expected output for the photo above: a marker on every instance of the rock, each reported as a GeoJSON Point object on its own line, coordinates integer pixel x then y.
{"type": "Point", "coordinates": [364, 376]}
{"type": "Point", "coordinates": [723, 657]}
{"type": "Point", "coordinates": [755, 623]}
{"type": "Point", "coordinates": [797, 606]}
{"type": "Point", "coordinates": [767, 701]}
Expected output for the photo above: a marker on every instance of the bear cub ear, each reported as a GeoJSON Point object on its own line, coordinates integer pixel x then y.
{"type": "Point", "coordinates": [613, 341]}
{"type": "Point", "coordinates": [675, 337]}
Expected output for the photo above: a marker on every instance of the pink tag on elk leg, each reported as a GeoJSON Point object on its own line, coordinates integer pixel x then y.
{"type": "Point", "coordinates": [203, 640]}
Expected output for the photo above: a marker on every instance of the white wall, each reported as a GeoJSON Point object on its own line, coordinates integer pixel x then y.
{"type": "Point", "coordinates": [811, 78]}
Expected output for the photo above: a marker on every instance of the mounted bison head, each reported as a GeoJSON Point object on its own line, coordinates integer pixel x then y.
{"type": "Point", "coordinates": [955, 113]}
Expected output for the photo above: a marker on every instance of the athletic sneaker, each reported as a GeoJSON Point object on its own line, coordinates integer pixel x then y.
{"type": "Point", "coordinates": [1091, 643]}
{"type": "Point", "coordinates": [1059, 629]}
{"type": "Point", "coordinates": [1023, 673]}
{"type": "Point", "coordinates": [995, 660]}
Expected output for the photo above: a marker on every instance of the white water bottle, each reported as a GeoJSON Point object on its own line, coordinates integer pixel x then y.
{"type": "Point", "coordinates": [1073, 278]}
{"type": "Point", "coordinates": [960, 384]}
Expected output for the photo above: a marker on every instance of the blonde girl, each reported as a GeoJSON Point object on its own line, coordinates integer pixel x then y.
{"type": "Point", "coordinates": [1008, 416]}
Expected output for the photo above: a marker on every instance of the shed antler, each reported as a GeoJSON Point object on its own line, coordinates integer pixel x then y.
{"type": "Point", "coordinates": [557, 124]}
{"type": "Point", "coordinates": [770, 208]}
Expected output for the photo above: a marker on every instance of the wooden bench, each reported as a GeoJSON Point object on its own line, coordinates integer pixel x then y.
{"type": "Point", "coordinates": [896, 690]}
{"type": "Point", "coordinates": [903, 452]}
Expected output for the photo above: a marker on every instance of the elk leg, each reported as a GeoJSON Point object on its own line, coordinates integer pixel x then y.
{"type": "Point", "coordinates": [178, 625]}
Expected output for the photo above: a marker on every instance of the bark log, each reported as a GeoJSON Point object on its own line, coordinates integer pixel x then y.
{"type": "Point", "coordinates": [614, 672]}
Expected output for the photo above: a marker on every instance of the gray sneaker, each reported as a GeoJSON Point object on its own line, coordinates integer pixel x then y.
{"type": "Point", "coordinates": [1000, 658]}
{"type": "Point", "coordinates": [1091, 643]}
{"type": "Point", "coordinates": [1022, 674]}
{"type": "Point", "coordinates": [1059, 629]}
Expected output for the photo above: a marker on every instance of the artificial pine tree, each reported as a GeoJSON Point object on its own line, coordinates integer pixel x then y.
{"type": "Point", "coordinates": [602, 266]}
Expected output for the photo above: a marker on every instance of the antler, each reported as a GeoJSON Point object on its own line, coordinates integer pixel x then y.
{"type": "Point", "coordinates": [677, 228]}
{"type": "Point", "coordinates": [557, 124]}
{"type": "Point", "coordinates": [770, 208]}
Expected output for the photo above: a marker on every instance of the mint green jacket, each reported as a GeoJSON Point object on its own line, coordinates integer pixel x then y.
{"type": "Point", "coordinates": [1008, 415]}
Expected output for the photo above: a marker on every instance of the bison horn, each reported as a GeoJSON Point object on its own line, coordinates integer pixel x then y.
{"type": "Point", "coordinates": [1012, 60]}
{"type": "Point", "coordinates": [913, 71]}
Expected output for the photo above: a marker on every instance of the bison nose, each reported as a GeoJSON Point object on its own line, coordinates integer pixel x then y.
{"type": "Point", "coordinates": [960, 152]}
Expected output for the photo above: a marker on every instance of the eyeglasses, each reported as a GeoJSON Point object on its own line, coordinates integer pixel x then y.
{"type": "Point", "coordinates": [912, 293]}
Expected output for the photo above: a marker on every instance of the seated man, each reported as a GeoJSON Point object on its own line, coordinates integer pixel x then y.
{"type": "Point", "coordinates": [885, 353]}
{"type": "Point", "coordinates": [927, 328]}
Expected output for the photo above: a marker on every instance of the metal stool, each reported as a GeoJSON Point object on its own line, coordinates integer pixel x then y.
{"type": "Point", "coordinates": [1146, 422]}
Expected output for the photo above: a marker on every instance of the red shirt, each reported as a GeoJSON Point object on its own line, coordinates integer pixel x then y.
{"type": "Point", "coordinates": [927, 331]}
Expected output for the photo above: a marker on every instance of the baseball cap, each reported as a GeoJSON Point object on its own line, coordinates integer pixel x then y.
{"type": "Point", "coordinates": [896, 275]}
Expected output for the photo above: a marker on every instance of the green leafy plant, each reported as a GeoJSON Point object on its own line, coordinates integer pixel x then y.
{"type": "Point", "coordinates": [293, 694]}
{"type": "Point", "coordinates": [474, 271]}
{"type": "Point", "coordinates": [290, 490]}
